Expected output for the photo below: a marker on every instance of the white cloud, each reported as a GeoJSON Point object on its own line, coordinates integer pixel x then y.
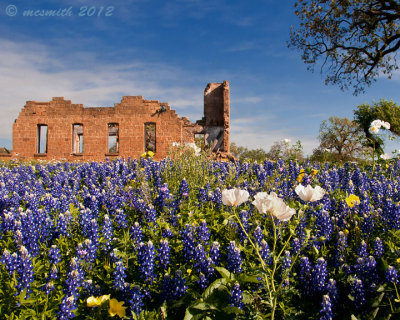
{"type": "Point", "coordinates": [28, 71]}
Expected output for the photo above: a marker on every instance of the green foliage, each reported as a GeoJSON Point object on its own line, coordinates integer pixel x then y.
{"type": "Point", "coordinates": [383, 110]}
{"type": "Point", "coordinates": [244, 154]}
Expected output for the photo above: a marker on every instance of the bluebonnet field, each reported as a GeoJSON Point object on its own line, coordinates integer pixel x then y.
{"type": "Point", "coordinates": [174, 239]}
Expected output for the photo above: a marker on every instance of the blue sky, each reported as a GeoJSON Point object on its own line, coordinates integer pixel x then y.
{"type": "Point", "coordinates": [169, 51]}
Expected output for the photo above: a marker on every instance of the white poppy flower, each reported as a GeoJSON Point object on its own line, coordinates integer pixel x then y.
{"type": "Point", "coordinates": [373, 130]}
{"type": "Point", "coordinates": [386, 125]}
{"type": "Point", "coordinates": [286, 140]}
{"type": "Point", "coordinates": [265, 202]}
{"type": "Point", "coordinates": [384, 156]}
{"type": "Point", "coordinates": [234, 197]}
{"type": "Point", "coordinates": [377, 124]}
{"type": "Point", "coordinates": [281, 211]}
{"type": "Point", "coordinates": [309, 193]}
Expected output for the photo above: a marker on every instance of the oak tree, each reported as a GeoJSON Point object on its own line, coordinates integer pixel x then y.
{"type": "Point", "coordinates": [354, 41]}
{"type": "Point", "coordinates": [342, 137]}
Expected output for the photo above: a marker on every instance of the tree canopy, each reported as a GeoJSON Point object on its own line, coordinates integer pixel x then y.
{"type": "Point", "coordinates": [342, 137]}
{"type": "Point", "coordinates": [383, 110]}
{"type": "Point", "coordinates": [355, 41]}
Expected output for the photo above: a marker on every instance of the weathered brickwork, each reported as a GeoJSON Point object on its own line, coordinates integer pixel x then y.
{"type": "Point", "coordinates": [59, 129]}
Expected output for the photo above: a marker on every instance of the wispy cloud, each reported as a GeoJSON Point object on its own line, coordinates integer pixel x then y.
{"type": "Point", "coordinates": [28, 71]}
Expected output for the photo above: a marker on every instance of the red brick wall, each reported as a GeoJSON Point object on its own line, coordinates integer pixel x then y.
{"type": "Point", "coordinates": [216, 109]}
{"type": "Point", "coordinates": [131, 114]}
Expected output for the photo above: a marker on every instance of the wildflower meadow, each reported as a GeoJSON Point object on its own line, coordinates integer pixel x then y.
{"type": "Point", "coordinates": [190, 238]}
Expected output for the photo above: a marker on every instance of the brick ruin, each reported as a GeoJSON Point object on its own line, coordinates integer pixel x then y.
{"type": "Point", "coordinates": [61, 130]}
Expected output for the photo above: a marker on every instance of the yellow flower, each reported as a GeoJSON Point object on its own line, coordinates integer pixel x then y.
{"type": "Point", "coordinates": [352, 200]}
{"type": "Point", "coordinates": [300, 177]}
{"type": "Point", "coordinates": [150, 153]}
{"type": "Point", "coordinates": [189, 271]}
{"type": "Point", "coordinates": [398, 260]}
{"type": "Point", "coordinates": [116, 308]}
{"type": "Point", "coordinates": [143, 155]}
{"type": "Point", "coordinates": [314, 172]}
{"type": "Point", "coordinates": [93, 302]}
{"type": "Point", "coordinates": [104, 298]}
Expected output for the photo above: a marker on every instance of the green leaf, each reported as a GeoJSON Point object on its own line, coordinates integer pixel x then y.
{"type": "Point", "coordinates": [213, 286]}
{"type": "Point", "coordinates": [225, 273]}
{"type": "Point", "coordinates": [232, 310]}
{"type": "Point", "coordinates": [378, 300]}
{"type": "Point", "coordinates": [247, 278]}
{"type": "Point", "coordinates": [203, 306]}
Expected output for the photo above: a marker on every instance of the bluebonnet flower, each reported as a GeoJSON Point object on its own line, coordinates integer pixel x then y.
{"type": "Point", "coordinates": [91, 288]}
{"type": "Point", "coordinates": [74, 282]}
{"type": "Point", "coordinates": [10, 261]}
{"type": "Point", "coordinates": [332, 292]}
{"type": "Point", "coordinates": [67, 306]}
{"type": "Point", "coordinates": [358, 293]}
{"type": "Point", "coordinates": [163, 195]}
{"type": "Point", "coordinates": [203, 233]}
{"type": "Point", "coordinates": [136, 234]}
{"type": "Point", "coordinates": [135, 300]}
{"type": "Point", "coordinates": [265, 252]}
{"type": "Point", "coordinates": [150, 214]}
{"type": "Point", "coordinates": [392, 275]}
{"type": "Point", "coordinates": [49, 287]}
{"type": "Point", "coordinates": [234, 258]}
{"type": "Point", "coordinates": [183, 190]}
{"type": "Point", "coordinates": [54, 255]}
{"type": "Point", "coordinates": [244, 218]}
{"type": "Point", "coordinates": [173, 288]}
{"type": "Point", "coordinates": [25, 271]}
{"type": "Point", "coordinates": [167, 288]}
{"type": "Point", "coordinates": [87, 251]}
{"type": "Point", "coordinates": [215, 253]}
{"type": "Point", "coordinates": [378, 248]}
{"type": "Point", "coordinates": [201, 262]}
{"type": "Point", "coordinates": [146, 255]}
{"type": "Point", "coordinates": [324, 224]}
{"type": "Point", "coordinates": [75, 278]}
{"type": "Point", "coordinates": [120, 218]}
{"type": "Point", "coordinates": [108, 233]}
{"type": "Point", "coordinates": [216, 197]}
{"type": "Point", "coordinates": [258, 235]}
{"type": "Point", "coordinates": [203, 281]}
{"type": "Point", "coordinates": [286, 264]}
{"type": "Point", "coordinates": [119, 275]}
{"type": "Point", "coordinates": [296, 246]}
{"type": "Point", "coordinates": [366, 270]}
{"type": "Point", "coordinates": [164, 253]}
{"type": "Point", "coordinates": [341, 246]}
{"type": "Point", "coordinates": [53, 272]}
{"type": "Point", "coordinates": [188, 242]}
{"type": "Point", "coordinates": [202, 195]}
{"type": "Point", "coordinates": [179, 284]}
{"type": "Point", "coordinates": [236, 299]}
{"type": "Point", "coordinates": [305, 277]}
{"type": "Point", "coordinates": [319, 275]}
{"type": "Point", "coordinates": [167, 233]}
{"type": "Point", "coordinates": [326, 311]}
{"type": "Point", "coordinates": [363, 249]}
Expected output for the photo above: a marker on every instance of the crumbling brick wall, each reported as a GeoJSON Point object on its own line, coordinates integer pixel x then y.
{"type": "Point", "coordinates": [56, 129]}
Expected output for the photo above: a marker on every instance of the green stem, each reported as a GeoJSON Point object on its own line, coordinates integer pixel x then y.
{"type": "Point", "coordinates": [263, 264]}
